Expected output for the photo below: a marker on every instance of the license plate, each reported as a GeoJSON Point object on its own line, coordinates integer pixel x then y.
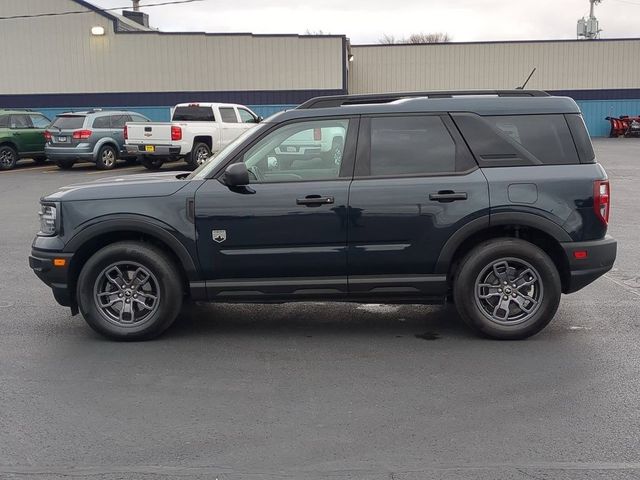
{"type": "Point", "coordinates": [149, 148]}
{"type": "Point", "coordinates": [62, 139]}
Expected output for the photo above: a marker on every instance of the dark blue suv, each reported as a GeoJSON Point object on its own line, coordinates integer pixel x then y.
{"type": "Point", "coordinates": [492, 199]}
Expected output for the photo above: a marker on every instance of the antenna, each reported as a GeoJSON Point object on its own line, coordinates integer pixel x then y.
{"type": "Point", "coordinates": [527, 80]}
{"type": "Point", "coordinates": [589, 28]}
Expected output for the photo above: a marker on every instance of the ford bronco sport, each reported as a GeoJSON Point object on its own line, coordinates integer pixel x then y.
{"type": "Point", "coordinates": [492, 199]}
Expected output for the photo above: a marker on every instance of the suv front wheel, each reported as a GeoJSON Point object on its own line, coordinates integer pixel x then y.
{"type": "Point", "coordinates": [129, 291]}
{"type": "Point", "coordinates": [507, 289]}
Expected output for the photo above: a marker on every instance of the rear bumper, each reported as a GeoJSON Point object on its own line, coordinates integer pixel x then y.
{"type": "Point", "coordinates": [159, 150]}
{"type": "Point", "coordinates": [600, 256]}
{"type": "Point", "coordinates": [41, 262]}
{"type": "Point", "coordinates": [70, 153]}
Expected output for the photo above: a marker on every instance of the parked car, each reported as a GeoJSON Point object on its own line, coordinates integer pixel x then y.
{"type": "Point", "coordinates": [492, 199]}
{"type": "Point", "coordinates": [21, 136]}
{"type": "Point", "coordinates": [95, 136]}
{"type": "Point", "coordinates": [195, 133]}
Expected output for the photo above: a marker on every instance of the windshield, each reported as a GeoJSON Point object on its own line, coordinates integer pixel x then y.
{"type": "Point", "coordinates": [204, 170]}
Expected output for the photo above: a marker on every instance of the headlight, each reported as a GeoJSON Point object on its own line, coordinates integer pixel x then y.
{"type": "Point", "coordinates": [48, 219]}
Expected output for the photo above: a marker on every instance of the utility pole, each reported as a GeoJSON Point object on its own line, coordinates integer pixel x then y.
{"type": "Point", "coordinates": [136, 6]}
{"type": "Point", "coordinates": [588, 28]}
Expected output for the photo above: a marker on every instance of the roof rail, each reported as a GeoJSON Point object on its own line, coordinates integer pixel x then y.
{"type": "Point", "coordinates": [340, 100]}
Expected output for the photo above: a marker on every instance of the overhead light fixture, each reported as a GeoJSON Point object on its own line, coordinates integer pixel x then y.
{"type": "Point", "coordinates": [351, 57]}
{"type": "Point", "coordinates": [97, 31]}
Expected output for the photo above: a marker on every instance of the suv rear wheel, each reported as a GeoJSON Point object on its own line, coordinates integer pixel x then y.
{"type": "Point", "coordinates": [107, 158]}
{"type": "Point", "coordinates": [8, 157]}
{"type": "Point", "coordinates": [129, 291]}
{"type": "Point", "coordinates": [507, 289]}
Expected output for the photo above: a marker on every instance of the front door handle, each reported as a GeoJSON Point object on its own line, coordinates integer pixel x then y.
{"type": "Point", "coordinates": [445, 196]}
{"type": "Point", "coordinates": [314, 200]}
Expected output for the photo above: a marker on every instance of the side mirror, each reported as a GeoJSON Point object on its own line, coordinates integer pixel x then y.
{"type": "Point", "coordinates": [236, 175]}
{"type": "Point", "coordinates": [259, 119]}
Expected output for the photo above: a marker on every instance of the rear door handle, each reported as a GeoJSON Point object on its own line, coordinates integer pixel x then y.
{"type": "Point", "coordinates": [445, 196]}
{"type": "Point", "coordinates": [314, 200]}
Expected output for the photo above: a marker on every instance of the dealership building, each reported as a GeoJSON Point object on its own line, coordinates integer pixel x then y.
{"type": "Point", "coordinates": [96, 59]}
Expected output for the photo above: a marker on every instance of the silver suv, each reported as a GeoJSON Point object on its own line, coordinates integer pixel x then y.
{"type": "Point", "coordinates": [95, 136]}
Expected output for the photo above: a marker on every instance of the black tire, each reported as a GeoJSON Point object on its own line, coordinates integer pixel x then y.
{"type": "Point", "coordinates": [199, 154]}
{"type": "Point", "coordinates": [131, 160]}
{"type": "Point", "coordinates": [40, 160]}
{"type": "Point", "coordinates": [107, 158]}
{"type": "Point", "coordinates": [481, 294]}
{"type": "Point", "coordinates": [8, 157]}
{"type": "Point", "coordinates": [151, 163]}
{"type": "Point", "coordinates": [115, 321]}
{"type": "Point", "coordinates": [65, 164]}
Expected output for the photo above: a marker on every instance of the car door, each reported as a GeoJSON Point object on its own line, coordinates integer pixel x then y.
{"type": "Point", "coordinates": [118, 121]}
{"type": "Point", "coordinates": [39, 124]}
{"type": "Point", "coordinates": [247, 119]}
{"type": "Point", "coordinates": [415, 184]}
{"type": "Point", "coordinates": [24, 135]}
{"type": "Point", "coordinates": [284, 235]}
{"type": "Point", "coordinates": [231, 128]}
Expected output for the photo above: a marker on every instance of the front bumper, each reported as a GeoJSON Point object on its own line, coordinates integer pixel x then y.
{"type": "Point", "coordinates": [41, 262]}
{"type": "Point", "coordinates": [600, 256]}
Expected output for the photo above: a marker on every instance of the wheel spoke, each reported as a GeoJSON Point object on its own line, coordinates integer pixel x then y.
{"type": "Point", "coordinates": [503, 305]}
{"type": "Point", "coordinates": [489, 294]}
{"type": "Point", "coordinates": [526, 278]}
{"type": "Point", "coordinates": [118, 280]}
{"type": "Point", "coordinates": [136, 281]}
{"type": "Point", "coordinates": [501, 275]}
{"type": "Point", "coordinates": [526, 303]}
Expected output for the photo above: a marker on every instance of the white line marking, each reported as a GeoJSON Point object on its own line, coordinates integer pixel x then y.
{"type": "Point", "coordinates": [626, 287]}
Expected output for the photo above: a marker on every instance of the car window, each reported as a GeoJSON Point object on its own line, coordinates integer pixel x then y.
{"type": "Point", "coordinates": [39, 121]}
{"type": "Point", "coordinates": [69, 122]}
{"type": "Point", "coordinates": [228, 115]}
{"type": "Point", "coordinates": [20, 121]}
{"type": "Point", "coordinates": [193, 113]}
{"type": "Point", "coordinates": [101, 122]}
{"type": "Point", "coordinates": [138, 118]}
{"type": "Point", "coordinates": [4, 121]}
{"type": "Point", "coordinates": [297, 152]}
{"type": "Point", "coordinates": [414, 145]}
{"type": "Point", "coordinates": [119, 121]}
{"type": "Point", "coordinates": [246, 116]}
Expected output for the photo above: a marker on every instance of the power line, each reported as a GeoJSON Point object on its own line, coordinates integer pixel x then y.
{"type": "Point", "coordinates": [79, 12]}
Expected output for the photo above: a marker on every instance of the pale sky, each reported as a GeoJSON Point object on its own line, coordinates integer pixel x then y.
{"type": "Point", "coordinates": [365, 21]}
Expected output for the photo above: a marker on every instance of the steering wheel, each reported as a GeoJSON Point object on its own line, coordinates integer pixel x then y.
{"type": "Point", "coordinates": [256, 173]}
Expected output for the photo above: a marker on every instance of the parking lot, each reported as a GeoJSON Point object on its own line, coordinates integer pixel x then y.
{"type": "Point", "coordinates": [307, 391]}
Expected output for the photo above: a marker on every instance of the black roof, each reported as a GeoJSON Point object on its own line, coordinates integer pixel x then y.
{"type": "Point", "coordinates": [480, 102]}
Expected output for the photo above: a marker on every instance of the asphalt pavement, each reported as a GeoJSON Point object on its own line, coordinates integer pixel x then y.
{"type": "Point", "coordinates": [319, 390]}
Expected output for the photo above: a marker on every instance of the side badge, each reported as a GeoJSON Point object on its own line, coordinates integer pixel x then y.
{"type": "Point", "coordinates": [219, 235]}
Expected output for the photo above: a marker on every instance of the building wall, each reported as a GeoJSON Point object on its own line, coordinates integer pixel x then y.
{"type": "Point", "coordinates": [603, 76]}
{"type": "Point", "coordinates": [56, 63]}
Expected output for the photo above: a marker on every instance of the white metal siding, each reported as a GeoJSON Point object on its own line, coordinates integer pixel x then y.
{"type": "Point", "coordinates": [560, 66]}
{"type": "Point", "coordinates": [59, 55]}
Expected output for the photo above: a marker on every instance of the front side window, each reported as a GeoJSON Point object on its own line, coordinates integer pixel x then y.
{"type": "Point", "coordinates": [412, 145]}
{"type": "Point", "coordinates": [228, 115]}
{"type": "Point", "coordinates": [246, 116]}
{"type": "Point", "coordinates": [39, 121]}
{"type": "Point", "coordinates": [301, 151]}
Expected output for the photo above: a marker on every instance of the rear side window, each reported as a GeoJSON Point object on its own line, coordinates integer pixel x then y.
{"type": "Point", "coordinates": [228, 115]}
{"type": "Point", "coordinates": [512, 140]}
{"type": "Point", "coordinates": [193, 113]}
{"type": "Point", "coordinates": [119, 121]}
{"type": "Point", "coordinates": [69, 122]}
{"type": "Point", "coordinates": [581, 138]}
{"type": "Point", "coordinates": [39, 121]}
{"type": "Point", "coordinates": [413, 145]}
{"type": "Point", "coordinates": [101, 122]}
{"type": "Point", "coordinates": [20, 121]}
{"type": "Point", "coordinates": [4, 121]}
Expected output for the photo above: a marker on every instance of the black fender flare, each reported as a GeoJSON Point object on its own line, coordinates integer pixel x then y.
{"type": "Point", "coordinates": [479, 224]}
{"type": "Point", "coordinates": [138, 224]}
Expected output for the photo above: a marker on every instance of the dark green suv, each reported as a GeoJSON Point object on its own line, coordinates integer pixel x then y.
{"type": "Point", "coordinates": [21, 136]}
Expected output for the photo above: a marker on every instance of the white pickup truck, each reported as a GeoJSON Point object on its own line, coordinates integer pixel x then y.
{"type": "Point", "coordinates": [196, 131]}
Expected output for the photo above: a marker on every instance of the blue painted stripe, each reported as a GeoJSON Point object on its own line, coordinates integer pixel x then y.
{"type": "Point", "coordinates": [602, 94]}
{"type": "Point", "coordinates": [595, 112]}
{"type": "Point", "coordinates": [143, 99]}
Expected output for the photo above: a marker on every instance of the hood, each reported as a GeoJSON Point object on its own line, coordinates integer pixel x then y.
{"type": "Point", "coordinates": [159, 184]}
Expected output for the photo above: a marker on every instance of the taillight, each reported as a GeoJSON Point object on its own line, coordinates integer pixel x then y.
{"type": "Point", "coordinates": [126, 133]}
{"type": "Point", "coordinates": [176, 133]}
{"type": "Point", "coordinates": [47, 136]}
{"type": "Point", "coordinates": [81, 134]}
{"type": "Point", "coordinates": [317, 134]}
{"type": "Point", "coordinates": [602, 200]}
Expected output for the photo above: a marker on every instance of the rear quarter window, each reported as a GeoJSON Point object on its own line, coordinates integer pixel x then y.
{"type": "Point", "coordinates": [4, 121]}
{"type": "Point", "coordinates": [68, 122]}
{"type": "Point", "coordinates": [193, 114]}
{"type": "Point", "coordinates": [512, 140]}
